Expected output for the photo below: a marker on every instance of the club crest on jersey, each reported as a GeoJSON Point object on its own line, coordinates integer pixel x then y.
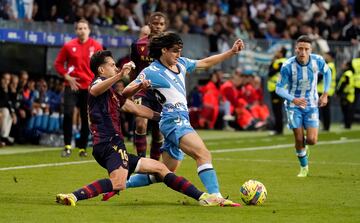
{"type": "Point", "coordinates": [74, 49]}
{"type": "Point", "coordinates": [142, 48]}
{"type": "Point", "coordinates": [142, 76]}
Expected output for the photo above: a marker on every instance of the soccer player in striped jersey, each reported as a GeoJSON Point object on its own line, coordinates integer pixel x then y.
{"type": "Point", "coordinates": [298, 86]}
{"type": "Point", "coordinates": [167, 75]}
{"type": "Point", "coordinates": [104, 106]}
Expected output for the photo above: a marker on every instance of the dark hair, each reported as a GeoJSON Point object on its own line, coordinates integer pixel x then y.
{"type": "Point", "coordinates": [158, 14]}
{"type": "Point", "coordinates": [98, 59]}
{"type": "Point", "coordinates": [82, 21]}
{"type": "Point", "coordinates": [164, 40]}
{"type": "Point", "coordinates": [304, 38]}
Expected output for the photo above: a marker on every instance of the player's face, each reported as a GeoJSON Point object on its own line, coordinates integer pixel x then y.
{"type": "Point", "coordinates": [171, 55]}
{"type": "Point", "coordinates": [157, 25]}
{"type": "Point", "coordinates": [109, 68]}
{"type": "Point", "coordinates": [303, 51]}
{"type": "Point", "coordinates": [82, 31]}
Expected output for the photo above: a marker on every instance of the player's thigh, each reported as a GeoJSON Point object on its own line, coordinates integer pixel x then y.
{"type": "Point", "coordinates": [146, 165]}
{"type": "Point", "coordinates": [192, 145]}
{"type": "Point", "coordinates": [311, 135]}
{"type": "Point", "coordinates": [171, 163]}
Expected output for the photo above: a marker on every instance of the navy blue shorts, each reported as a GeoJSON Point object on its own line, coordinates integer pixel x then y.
{"type": "Point", "coordinates": [149, 99]}
{"type": "Point", "coordinates": [111, 155]}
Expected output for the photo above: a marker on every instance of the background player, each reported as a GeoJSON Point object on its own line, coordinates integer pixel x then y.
{"type": "Point", "coordinates": [73, 62]}
{"type": "Point", "coordinates": [140, 56]}
{"type": "Point", "coordinates": [167, 76]}
{"type": "Point", "coordinates": [109, 148]}
{"type": "Point", "coordinates": [298, 86]}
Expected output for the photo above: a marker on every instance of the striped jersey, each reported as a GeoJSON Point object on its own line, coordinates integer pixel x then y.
{"type": "Point", "coordinates": [104, 114]}
{"type": "Point", "coordinates": [168, 84]}
{"type": "Point", "coordinates": [300, 81]}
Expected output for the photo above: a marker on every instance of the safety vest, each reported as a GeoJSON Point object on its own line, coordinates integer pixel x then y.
{"type": "Point", "coordinates": [320, 86]}
{"type": "Point", "coordinates": [349, 89]}
{"type": "Point", "coordinates": [271, 83]}
{"type": "Point", "coordinates": [356, 65]}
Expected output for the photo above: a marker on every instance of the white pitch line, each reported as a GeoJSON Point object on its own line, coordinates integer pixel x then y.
{"type": "Point", "coordinates": [46, 165]}
{"type": "Point", "coordinates": [287, 161]}
{"type": "Point", "coordinates": [283, 146]}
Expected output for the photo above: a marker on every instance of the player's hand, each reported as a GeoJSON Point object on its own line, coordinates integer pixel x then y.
{"type": "Point", "coordinates": [301, 102]}
{"type": "Point", "coordinates": [74, 85]}
{"type": "Point", "coordinates": [144, 84]}
{"type": "Point", "coordinates": [128, 67]}
{"type": "Point", "coordinates": [323, 100]}
{"type": "Point", "coordinates": [238, 46]}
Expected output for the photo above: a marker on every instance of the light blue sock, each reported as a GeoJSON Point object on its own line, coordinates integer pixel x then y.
{"type": "Point", "coordinates": [302, 156]}
{"type": "Point", "coordinates": [139, 180]}
{"type": "Point", "coordinates": [208, 177]}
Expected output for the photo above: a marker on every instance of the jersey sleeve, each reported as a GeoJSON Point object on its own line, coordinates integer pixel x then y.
{"type": "Point", "coordinates": [156, 80]}
{"type": "Point", "coordinates": [282, 83]}
{"type": "Point", "coordinates": [60, 61]}
{"type": "Point", "coordinates": [326, 71]}
{"type": "Point", "coordinates": [189, 64]}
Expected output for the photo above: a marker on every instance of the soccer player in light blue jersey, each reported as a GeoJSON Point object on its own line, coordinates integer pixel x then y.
{"type": "Point", "coordinates": [298, 86]}
{"type": "Point", "coordinates": [167, 76]}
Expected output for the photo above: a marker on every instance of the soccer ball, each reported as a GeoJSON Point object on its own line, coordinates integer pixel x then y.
{"type": "Point", "coordinates": [253, 192]}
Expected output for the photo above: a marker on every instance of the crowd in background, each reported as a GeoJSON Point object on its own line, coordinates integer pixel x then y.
{"type": "Point", "coordinates": [31, 108]}
{"type": "Point", "coordinates": [262, 19]}
{"type": "Point", "coordinates": [229, 101]}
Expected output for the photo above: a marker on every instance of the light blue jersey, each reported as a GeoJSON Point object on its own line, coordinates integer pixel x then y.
{"type": "Point", "coordinates": [171, 85]}
{"type": "Point", "coordinates": [175, 121]}
{"type": "Point", "coordinates": [300, 81]}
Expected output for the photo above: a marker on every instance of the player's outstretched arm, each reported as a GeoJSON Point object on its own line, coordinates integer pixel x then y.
{"type": "Point", "coordinates": [218, 58]}
{"type": "Point", "coordinates": [140, 110]}
{"type": "Point", "coordinates": [101, 86]}
{"type": "Point", "coordinates": [135, 86]}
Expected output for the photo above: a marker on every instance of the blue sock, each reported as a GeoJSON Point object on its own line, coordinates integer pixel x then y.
{"type": "Point", "coordinates": [208, 177]}
{"type": "Point", "coordinates": [302, 156]}
{"type": "Point", "coordinates": [139, 180]}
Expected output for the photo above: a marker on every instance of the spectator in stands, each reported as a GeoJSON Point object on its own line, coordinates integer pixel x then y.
{"type": "Point", "coordinates": [45, 10]}
{"type": "Point", "coordinates": [4, 10]}
{"type": "Point", "coordinates": [8, 116]}
{"type": "Point", "coordinates": [351, 32]}
{"type": "Point", "coordinates": [55, 103]}
{"type": "Point", "coordinates": [76, 54]}
{"type": "Point", "coordinates": [257, 107]}
{"type": "Point", "coordinates": [64, 11]}
{"type": "Point", "coordinates": [40, 108]}
{"type": "Point", "coordinates": [210, 101]}
{"type": "Point", "coordinates": [15, 96]}
{"type": "Point", "coordinates": [21, 9]}
{"type": "Point", "coordinates": [229, 95]}
{"type": "Point", "coordinates": [341, 5]}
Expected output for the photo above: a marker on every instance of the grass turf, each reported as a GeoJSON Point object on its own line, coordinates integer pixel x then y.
{"type": "Point", "coordinates": [329, 194]}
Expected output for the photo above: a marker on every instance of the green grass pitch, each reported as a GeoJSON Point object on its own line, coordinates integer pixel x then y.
{"type": "Point", "coordinates": [31, 176]}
